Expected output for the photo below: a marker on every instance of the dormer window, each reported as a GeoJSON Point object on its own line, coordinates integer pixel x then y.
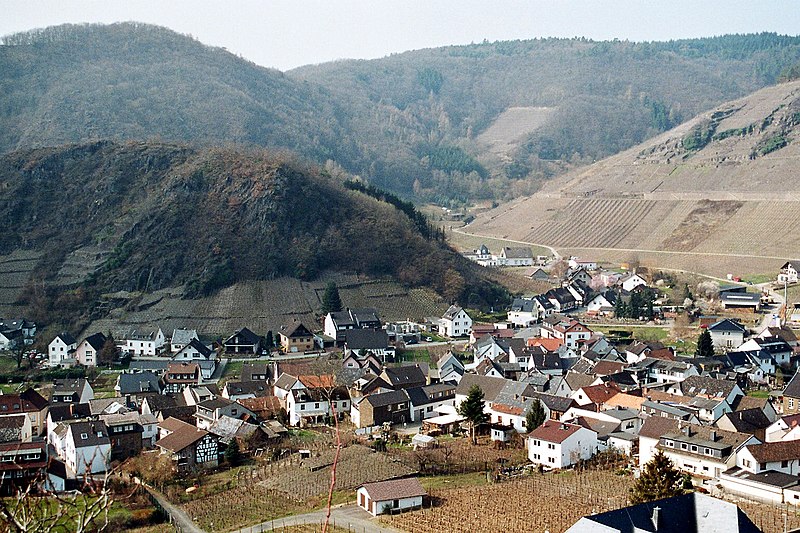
{"type": "Point", "coordinates": [84, 436]}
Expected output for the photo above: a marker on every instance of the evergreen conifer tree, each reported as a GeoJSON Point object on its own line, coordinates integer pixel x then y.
{"type": "Point", "coordinates": [472, 410]}
{"type": "Point", "coordinates": [331, 302]}
{"type": "Point", "coordinates": [705, 346]}
{"type": "Point", "coordinates": [535, 416]}
{"type": "Point", "coordinates": [659, 479]}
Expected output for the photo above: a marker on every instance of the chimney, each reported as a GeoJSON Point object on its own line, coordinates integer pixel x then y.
{"type": "Point", "coordinates": [687, 431]}
{"type": "Point", "coordinates": [713, 435]}
{"type": "Point", "coordinates": [655, 517]}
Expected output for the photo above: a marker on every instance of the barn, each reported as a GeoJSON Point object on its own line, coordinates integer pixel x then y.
{"type": "Point", "coordinates": [390, 496]}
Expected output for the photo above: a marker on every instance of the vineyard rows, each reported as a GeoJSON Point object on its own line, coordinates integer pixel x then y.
{"type": "Point", "coordinates": [537, 503]}
{"type": "Point", "coordinates": [599, 222]}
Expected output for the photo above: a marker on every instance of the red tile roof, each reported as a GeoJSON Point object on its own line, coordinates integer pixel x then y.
{"type": "Point", "coordinates": [554, 431]}
{"type": "Point", "coordinates": [601, 393]}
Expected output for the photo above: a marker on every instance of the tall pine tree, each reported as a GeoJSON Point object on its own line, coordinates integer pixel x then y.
{"type": "Point", "coordinates": [472, 410]}
{"type": "Point", "coordinates": [659, 479]}
{"type": "Point", "coordinates": [331, 302]}
{"type": "Point", "coordinates": [535, 416]}
{"type": "Point", "coordinates": [705, 346]}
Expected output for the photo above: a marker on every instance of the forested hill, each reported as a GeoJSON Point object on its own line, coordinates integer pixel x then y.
{"type": "Point", "coordinates": [489, 120]}
{"type": "Point", "coordinates": [136, 81]}
{"type": "Point", "coordinates": [144, 216]}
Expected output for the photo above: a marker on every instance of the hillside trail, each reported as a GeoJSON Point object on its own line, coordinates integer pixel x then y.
{"type": "Point", "coordinates": [347, 515]}
{"type": "Point", "coordinates": [633, 250]}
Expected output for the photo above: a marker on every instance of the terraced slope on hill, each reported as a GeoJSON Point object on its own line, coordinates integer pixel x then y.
{"type": "Point", "coordinates": [95, 227]}
{"type": "Point", "coordinates": [718, 191]}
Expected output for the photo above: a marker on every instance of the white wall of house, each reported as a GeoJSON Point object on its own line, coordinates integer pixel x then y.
{"type": "Point", "coordinates": [746, 461]}
{"type": "Point", "coordinates": [752, 489]}
{"type": "Point", "coordinates": [85, 354]}
{"type": "Point", "coordinates": [429, 410]}
{"type": "Point", "coordinates": [379, 507]}
{"type": "Point", "coordinates": [58, 350]}
{"type": "Point", "coordinates": [459, 326]}
{"type": "Point", "coordinates": [580, 445]}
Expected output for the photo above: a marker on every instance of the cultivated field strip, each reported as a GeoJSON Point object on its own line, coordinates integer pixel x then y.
{"type": "Point", "coordinates": [760, 226]}
{"type": "Point", "coordinates": [15, 271]}
{"type": "Point", "coordinates": [601, 222]}
{"type": "Point", "coordinates": [537, 503]}
{"type": "Point", "coordinates": [267, 305]}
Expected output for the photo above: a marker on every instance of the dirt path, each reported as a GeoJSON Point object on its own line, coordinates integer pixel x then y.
{"type": "Point", "coordinates": [348, 516]}
{"type": "Point", "coordinates": [630, 250]}
{"type": "Point", "coordinates": [176, 514]}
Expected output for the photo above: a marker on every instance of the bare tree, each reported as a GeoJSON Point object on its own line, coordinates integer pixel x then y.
{"type": "Point", "coordinates": [36, 508]}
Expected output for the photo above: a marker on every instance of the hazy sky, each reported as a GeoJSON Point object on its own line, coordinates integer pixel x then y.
{"type": "Point", "coordinates": [288, 33]}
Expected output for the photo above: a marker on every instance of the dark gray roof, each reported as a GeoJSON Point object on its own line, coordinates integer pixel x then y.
{"type": "Point", "coordinates": [793, 387]}
{"type": "Point", "coordinates": [66, 386]}
{"type": "Point", "coordinates": [96, 341]}
{"type": "Point", "coordinates": [95, 431]}
{"type": "Point", "coordinates": [402, 375]}
{"type": "Point", "coordinates": [246, 337]}
{"type": "Point", "coordinates": [693, 512]}
{"type": "Point", "coordinates": [134, 383]}
{"type": "Point", "coordinates": [747, 420]}
{"type": "Point", "coordinates": [387, 398]}
{"type": "Point", "coordinates": [366, 339]}
{"type": "Point", "coordinates": [524, 305]}
{"type": "Point", "coordinates": [67, 338]}
{"type": "Point", "coordinates": [490, 386]}
{"type": "Point", "coordinates": [559, 404]}
{"type": "Point", "coordinates": [259, 369]}
{"type": "Point", "coordinates": [431, 393]}
{"type": "Point", "coordinates": [256, 388]}
{"type": "Point", "coordinates": [451, 312]}
{"type": "Point", "coordinates": [767, 477]}
{"type": "Point", "coordinates": [726, 324]}
{"type": "Point", "coordinates": [694, 385]}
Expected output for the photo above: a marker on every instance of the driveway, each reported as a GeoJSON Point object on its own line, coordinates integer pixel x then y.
{"type": "Point", "coordinates": [176, 514]}
{"type": "Point", "coordinates": [348, 516]}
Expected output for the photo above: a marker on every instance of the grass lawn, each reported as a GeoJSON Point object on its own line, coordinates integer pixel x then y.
{"type": "Point", "coordinates": [414, 355]}
{"type": "Point", "coordinates": [233, 368]}
{"type": "Point", "coordinates": [643, 333]}
{"type": "Point", "coordinates": [758, 393]}
{"type": "Point", "coordinates": [7, 364]}
{"type": "Point", "coordinates": [758, 278]}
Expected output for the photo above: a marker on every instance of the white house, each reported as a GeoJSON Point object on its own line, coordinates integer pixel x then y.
{"type": "Point", "coordinates": [516, 257]}
{"type": "Point", "coordinates": [727, 334]}
{"type": "Point", "coordinates": [586, 264]}
{"type": "Point", "coordinates": [144, 343]}
{"type": "Point", "coordinates": [305, 398]}
{"type": "Point", "coordinates": [61, 350]}
{"type": "Point", "coordinates": [390, 496]}
{"type": "Point", "coordinates": [631, 281]}
{"type": "Point", "coordinates": [88, 350]}
{"type": "Point", "coordinates": [559, 444]}
{"type": "Point", "coordinates": [455, 322]}
{"type": "Point", "coordinates": [788, 273]}
{"type": "Point", "coordinates": [524, 312]}
{"type": "Point", "coordinates": [87, 448]}
{"type": "Point", "coordinates": [180, 338]}
{"type": "Point", "coordinates": [197, 352]}
{"type": "Point", "coordinates": [703, 451]}
{"type": "Point", "coordinates": [784, 429]}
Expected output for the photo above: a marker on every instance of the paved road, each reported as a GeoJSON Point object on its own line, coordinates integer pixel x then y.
{"type": "Point", "coordinates": [179, 518]}
{"type": "Point", "coordinates": [348, 516]}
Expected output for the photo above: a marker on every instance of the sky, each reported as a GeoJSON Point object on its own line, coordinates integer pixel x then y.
{"type": "Point", "coordinates": [285, 34]}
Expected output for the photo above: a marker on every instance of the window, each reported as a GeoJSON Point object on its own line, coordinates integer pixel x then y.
{"type": "Point", "coordinates": [551, 446]}
{"type": "Point", "coordinates": [234, 412]}
{"type": "Point", "coordinates": [302, 407]}
{"type": "Point", "coordinates": [683, 446]}
{"type": "Point", "coordinates": [316, 406]}
{"type": "Point", "coordinates": [694, 448]}
{"type": "Point", "coordinates": [791, 403]}
{"type": "Point", "coordinates": [84, 436]}
{"type": "Point", "coordinates": [707, 451]}
{"type": "Point", "coordinates": [784, 464]}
